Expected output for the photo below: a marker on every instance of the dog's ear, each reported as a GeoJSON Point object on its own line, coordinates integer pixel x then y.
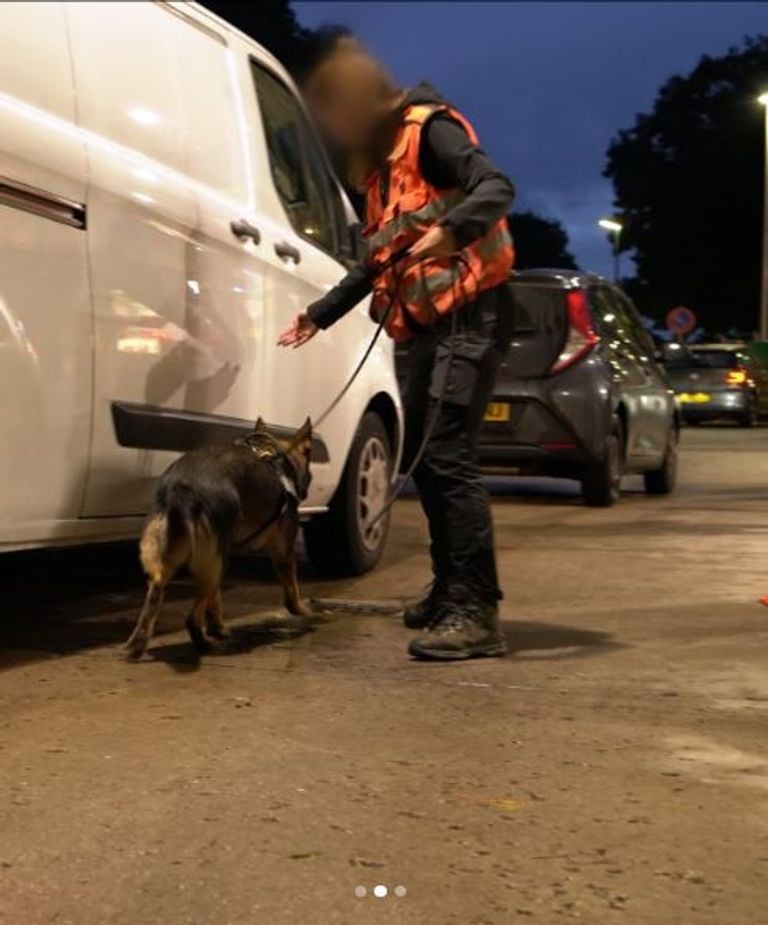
{"type": "Point", "coordinates": [302, 439]}
{"type": "Point", "coordinates": [259, 425]}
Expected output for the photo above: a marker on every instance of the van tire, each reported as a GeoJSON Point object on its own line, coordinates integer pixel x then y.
{"type": "Point", "coordinates": [601, 479]}
{"type": "Point", "coordinates": [662, 481]}
{"type": "Point", "coordinates": [336, 542]}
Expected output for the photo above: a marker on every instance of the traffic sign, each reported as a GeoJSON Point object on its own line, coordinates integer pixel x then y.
{"type": "Point", "coordinates": [681, 320]}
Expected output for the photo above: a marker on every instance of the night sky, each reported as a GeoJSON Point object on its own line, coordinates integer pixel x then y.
{"type": "Point", "coordinates": [547, 84]}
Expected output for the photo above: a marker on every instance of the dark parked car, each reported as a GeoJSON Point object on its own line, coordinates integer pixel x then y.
{"type": "Point", "coordinates": [580, 394]}
{"type": "Point", "coordinates": [719, 381]}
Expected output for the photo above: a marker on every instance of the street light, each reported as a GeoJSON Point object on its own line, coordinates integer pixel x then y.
{"type": "Point", "coordinates": [763, 98]}
{"type": "Point", "coordinates": [615, 228]}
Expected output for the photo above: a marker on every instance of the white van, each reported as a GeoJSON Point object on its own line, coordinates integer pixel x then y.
{"type": "Point", "coordinates": [165, 211]}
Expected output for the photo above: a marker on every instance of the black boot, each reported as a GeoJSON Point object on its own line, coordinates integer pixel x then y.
{"type": "Point", "coordinates": [461, 629]}
{"type": "Point", "coordinates": [423, 612]}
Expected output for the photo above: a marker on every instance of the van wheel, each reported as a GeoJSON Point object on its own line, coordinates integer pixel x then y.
{"type": "Point", "coordinates": [601, 479]}
{"type": "Point", "coordinates": [343, 541]}
{"type": "Point", "coordinates": [662, 481]}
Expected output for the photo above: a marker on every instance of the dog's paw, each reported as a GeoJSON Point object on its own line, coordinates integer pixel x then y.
{"type": "Point", "coordinates": [200, 641]}
{"type": "Point", "coordinates": [220, 634]}
{"type": "Point", "coordinates": [134, 649]}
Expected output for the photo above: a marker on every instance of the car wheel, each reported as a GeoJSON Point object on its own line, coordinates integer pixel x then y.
{"type": "Point", "coordinates": [344, 541]}
{"type": "Point", "coordinates": [662, 481]}
{"type": "Point", "coordinates": [601, 479]}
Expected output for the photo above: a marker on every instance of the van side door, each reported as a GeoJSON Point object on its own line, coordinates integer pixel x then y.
{"type": "Point", "coordinates": [45, 310]}
{"type": "Point", "coordinates": [141, 237]}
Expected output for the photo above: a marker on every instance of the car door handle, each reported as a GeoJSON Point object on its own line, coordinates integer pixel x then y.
{"type": "Point", "coordinates": [242, 230]}
{"type": "Point", "coordinates": [286, 251]}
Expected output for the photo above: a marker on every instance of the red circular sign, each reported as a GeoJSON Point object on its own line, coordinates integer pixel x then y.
{"type": "Point", "coordinates": [681, 320]}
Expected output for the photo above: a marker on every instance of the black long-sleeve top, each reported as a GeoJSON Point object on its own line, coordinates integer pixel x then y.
{"type": "Point", "coordinates": [448, 160]}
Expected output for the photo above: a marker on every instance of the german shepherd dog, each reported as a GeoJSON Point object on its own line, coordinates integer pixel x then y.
{"type": "Point", "coordinates": [214, 500]}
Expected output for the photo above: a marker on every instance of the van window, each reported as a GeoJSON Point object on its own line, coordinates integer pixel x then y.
{"type": "Point", "coordinates": [301, 177]}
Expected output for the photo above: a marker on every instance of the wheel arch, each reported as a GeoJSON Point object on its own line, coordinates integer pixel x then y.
{"type": "Point", "coordinates": [383, 405]}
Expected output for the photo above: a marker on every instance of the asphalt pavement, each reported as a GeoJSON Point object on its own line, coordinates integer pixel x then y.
{"type": "Point", "coordinates": [612, 768]}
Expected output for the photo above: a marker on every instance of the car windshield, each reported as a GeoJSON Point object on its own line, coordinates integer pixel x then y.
{"type": "Point", "coordinates": [707, 359]}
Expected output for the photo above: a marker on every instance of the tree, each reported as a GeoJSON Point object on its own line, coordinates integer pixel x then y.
{"type": "Point", "coordinates": [540, 242]}
{"type": "Point", "coordinates": [688, 184]}
{"type": "Point", "coordinates": [270, 22]}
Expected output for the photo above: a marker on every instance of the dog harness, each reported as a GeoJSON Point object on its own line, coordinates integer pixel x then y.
{"type": "Point", "coordinates": [419, 293]}
{"type": "Point", "coordinates": [267, 450]}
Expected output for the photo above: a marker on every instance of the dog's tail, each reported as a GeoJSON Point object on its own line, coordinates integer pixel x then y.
{"type": "Point", "coordinates": [183, 508]}
{"type": "Point", "coordinates": [169, 537]}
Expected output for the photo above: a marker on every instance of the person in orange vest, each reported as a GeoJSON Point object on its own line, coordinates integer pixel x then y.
{"type": "Point", "coordinates": [428, 188]}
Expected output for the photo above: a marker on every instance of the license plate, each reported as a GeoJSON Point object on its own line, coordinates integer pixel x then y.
{"type": "Point", "coordinates": [694, 398]}
{"type": "Point", "coordinates": [497, 411]}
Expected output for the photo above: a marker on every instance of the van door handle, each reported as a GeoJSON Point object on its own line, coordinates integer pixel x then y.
{"type": "Point", "coordinates": [242, 230]}
{"type": "Point", "coordinates": [286, 251]}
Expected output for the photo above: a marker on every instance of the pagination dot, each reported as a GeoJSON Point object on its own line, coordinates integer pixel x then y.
{"type": "Point", "coordinates": [400, 891]}
{"type": "Point", "coordinates": [360, 891]}
{"type": "Point", "coordinates": [380, 891]}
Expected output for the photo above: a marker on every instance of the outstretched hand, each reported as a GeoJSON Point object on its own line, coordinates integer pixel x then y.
{"type": "Point", "coordinates": [302, 329]}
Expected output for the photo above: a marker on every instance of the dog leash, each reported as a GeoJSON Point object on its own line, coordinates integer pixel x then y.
{"type": "Point", "coordinates": [267, 450]}
{"type": "Point", "coordinates": [396, 258]}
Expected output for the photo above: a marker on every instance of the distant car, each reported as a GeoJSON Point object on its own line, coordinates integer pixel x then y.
{"type": "Point", "coordinates": [719, 381]}
{"type": "Point", "coordinates": [580, 394]}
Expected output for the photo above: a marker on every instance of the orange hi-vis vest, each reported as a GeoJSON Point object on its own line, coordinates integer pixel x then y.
{"type": "Point", "coordinates": [420, 292]}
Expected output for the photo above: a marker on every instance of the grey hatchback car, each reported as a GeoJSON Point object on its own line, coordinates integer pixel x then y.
{"type": "Point", "coordinates": [580, 394]}
{"type": "Point", "coordinates": [719, 381]}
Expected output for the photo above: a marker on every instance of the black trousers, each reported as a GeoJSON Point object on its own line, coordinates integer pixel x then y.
{"type": "Point", "coordinates": [448, 479]}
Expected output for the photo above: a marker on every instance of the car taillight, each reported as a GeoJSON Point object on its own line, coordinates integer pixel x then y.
{"type": "Point", "coordinates": [736, 376]}
{"type": "Point", "coordinates": [582, 336]}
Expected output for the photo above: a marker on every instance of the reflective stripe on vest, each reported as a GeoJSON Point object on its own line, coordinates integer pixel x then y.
{"type": "Point", "coordinates": [429, 214]}
{"type": "Point", "coordinates": [416, 294]}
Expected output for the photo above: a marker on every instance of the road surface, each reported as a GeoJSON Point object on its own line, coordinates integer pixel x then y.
{"type": "Point", "coordinates": [613, 768]}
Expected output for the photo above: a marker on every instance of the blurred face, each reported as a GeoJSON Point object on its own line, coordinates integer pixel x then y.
{"type": "Point", "coordinates": [348, 96]}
